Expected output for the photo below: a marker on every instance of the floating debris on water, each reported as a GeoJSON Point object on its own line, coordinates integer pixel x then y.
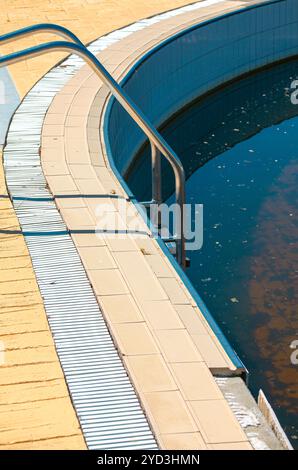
{"type": "Point", "coordinates": [208, 279]}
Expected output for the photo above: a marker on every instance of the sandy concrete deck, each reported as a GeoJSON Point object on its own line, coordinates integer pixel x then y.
{"type": "Point", "coordinates": [89, 19]}
{"type": "Point", "coordinates": [35, 409]}
{"type": "Point", "coordinates": [166, 344]}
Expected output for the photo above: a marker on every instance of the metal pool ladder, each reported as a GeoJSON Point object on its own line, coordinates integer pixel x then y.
{"type": "Point", "coordinates": [158, 145]}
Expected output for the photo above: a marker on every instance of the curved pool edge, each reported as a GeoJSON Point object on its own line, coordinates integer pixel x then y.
{"type": "Point", "coordinates": [166, 115]}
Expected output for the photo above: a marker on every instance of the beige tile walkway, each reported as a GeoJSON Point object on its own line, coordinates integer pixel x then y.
{"type": "Point", "coordinates": [163, 338]}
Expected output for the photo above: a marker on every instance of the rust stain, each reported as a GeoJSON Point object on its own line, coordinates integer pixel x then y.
{"type": "Point", "coordinates": [273, 289]}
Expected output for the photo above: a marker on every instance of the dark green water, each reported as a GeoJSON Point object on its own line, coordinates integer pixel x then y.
{"type": "Point", "coordinates": [239, 147]}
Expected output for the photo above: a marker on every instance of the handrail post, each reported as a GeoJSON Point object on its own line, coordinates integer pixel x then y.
{"type": "Point", "coordinates": [180, 222]}
{"type": "Point", "coordinates": [156, 184]}
{"type": "Point", "coordinates": [156, 174]}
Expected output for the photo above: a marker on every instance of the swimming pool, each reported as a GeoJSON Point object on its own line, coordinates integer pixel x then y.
{"type": "Point", "coordinates": [239, 149]}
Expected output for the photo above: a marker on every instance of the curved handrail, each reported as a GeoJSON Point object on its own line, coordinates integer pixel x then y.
{"type": "Point", "coordinates": [133, 110]}
{"type": "Point", "coordinates": [40, 28]}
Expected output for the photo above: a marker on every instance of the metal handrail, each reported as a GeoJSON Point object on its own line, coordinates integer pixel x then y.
{"type": "Point", "coordinates": [45, 28]}
{"type": "Point", "coordinates": [158, 144]}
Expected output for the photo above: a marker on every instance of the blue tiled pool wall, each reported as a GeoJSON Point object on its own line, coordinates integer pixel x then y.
{"type": "Point", "coordinates": [196, 61]}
